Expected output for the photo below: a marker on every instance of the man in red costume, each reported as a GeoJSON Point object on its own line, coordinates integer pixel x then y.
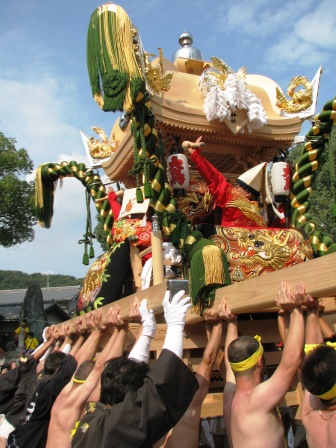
{"type": "Point", "coordinates": [239, 203]}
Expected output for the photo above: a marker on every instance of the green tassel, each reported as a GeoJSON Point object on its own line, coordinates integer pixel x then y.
{"type": "Point", "coordinates": [202, 295]}
{"type": "Point", "coordinates": [92, 254]}
{"type": "Point", "coordinates": [148, 190]}
{"type": "Point", "coordinates": [85, 259]}
{"type": "Point", "coordinates": [139, 196]}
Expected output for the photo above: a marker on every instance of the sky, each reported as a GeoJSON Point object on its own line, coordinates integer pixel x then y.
{"type": "Point", "coordinates": [45, 95]}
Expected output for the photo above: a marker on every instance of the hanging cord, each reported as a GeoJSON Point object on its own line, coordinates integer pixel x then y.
{"type": "Point", "coordinates": [137, 163]}
{"type": "Point", "coordinates": [88, 235]}
{"type": "Point", "coordinates": [145, 160]}
{"type": "Point", "coordinates": [141, 162]}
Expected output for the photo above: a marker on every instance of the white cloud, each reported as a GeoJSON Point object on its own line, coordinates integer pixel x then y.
{"type": "Point", "coordinates": [36, 115]}
{"type": "Point", "coordinates": [260, 17]}
{"type": "Point", "coordinates": [317, 27]}
{"type": "Point", "coordinates": [291, 51]}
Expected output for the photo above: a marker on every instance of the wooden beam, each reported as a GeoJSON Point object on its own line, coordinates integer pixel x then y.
{"type": "Point", "coordinates": [259, 293]}
{"type": "Point", "coordinates": [254, 295]}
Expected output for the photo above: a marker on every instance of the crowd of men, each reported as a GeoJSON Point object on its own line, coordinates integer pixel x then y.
{"type": "Point", "coordinates": [84, 386]}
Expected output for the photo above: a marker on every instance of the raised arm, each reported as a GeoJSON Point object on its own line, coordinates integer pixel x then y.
{"type": "Point", "coordinates": [313, 338]}
{"type": "Point", "coordinates": [187, 429]}
{"type": "Point", "coordinates": [89, 348]}
{"type": "Point", "coordinates": [274, 389]}
{"type": "Point", "coordinates": [326, 329]}
{"type": "Point", "coordinates": [230, 380]}
{"type": "Point", "coordinates": [214, 179]}
{"type": "Point", "coordinates": [43, 348]}
{"type": "Point", "coordinates": [140, 351]}
{"type": "Point", "coordinates": [213, 325]}
{"type": "Point", "coordinates": [313, 334]}
{"type": "Point", "coordinates": [231, 335]}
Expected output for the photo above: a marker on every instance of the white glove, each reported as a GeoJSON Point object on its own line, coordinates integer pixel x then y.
{"type": "Point", "coordinates": [140, 351]}
{"type": "Point", "coordinates": [147, 319]}
{"type": "Point", "coordinates": [175, 312]}
{"type": "Point", "coordinates": [44, 337]}
{"type": "Point", "coordinates": [44, 341]}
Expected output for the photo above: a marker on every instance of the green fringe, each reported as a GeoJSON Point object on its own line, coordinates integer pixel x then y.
{"type": "Point", "coordinates": [148, 190]}
{"type": "Point", "coordinates": [85, 259]}
{"type": "Point", "coordinates": [139, 196]}
{"type": "Point", "coordinates": [91, 254]}
{"type": "Point", "coordinates": [114, 86]}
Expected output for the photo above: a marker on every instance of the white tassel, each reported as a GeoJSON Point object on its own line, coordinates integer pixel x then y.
{"type": "Point", "coordinates": [215, 105]}
{"type": "Point", "coordinates": [219, 103]}
{"type": "Point", "coordinates": [256, 112]}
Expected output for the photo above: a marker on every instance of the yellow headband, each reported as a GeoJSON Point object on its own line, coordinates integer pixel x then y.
{"type": "Point", "coordinates": [330, 394]}
{"type": "Point", "coordinates": [249, 362]}
{"type": "Point", "coordinates": [308, 348]}
{"type": "Point", "coordinates": [75, 380]}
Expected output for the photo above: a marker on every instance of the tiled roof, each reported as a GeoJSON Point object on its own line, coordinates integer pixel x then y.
{"type": "Point", "coordinates": [10, 312]}
{"type": "Point", "coordinates": [56, 294]}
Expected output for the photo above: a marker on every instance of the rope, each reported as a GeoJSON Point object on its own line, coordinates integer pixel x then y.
{"type": "Point", "coordinates": [305, 172]}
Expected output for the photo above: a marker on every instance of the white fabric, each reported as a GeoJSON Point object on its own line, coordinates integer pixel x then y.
{"type": "Point", "coordinates": [175, 312]}
{"type": "Point", "coordinates": [171, 253]}
{"type": "Point", "coordinates": [46, 353]}
{"type": "Point", "coordinates": [146, 274]}
{"type": "Point", "coordinates": [38, 348]}
{"type": "Point", "coordinates": [220, 100]}
{"type": "Point", "coordinates": [44, 334]}
{"type": "Point", "coordinates": [66, 349]}
{"type": "Point", "coordinates": [130, 205]}
{"type": "Point", "coordinates": [44, 340]}
{"type": "Point", "coordinates": [5, 428]}
{"type": "Point", "coordinates": [140, 351]}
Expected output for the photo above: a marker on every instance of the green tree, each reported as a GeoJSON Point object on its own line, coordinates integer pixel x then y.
{"type": "Point", "coordinates": [21, 280]}
{"type": "Point", "coordinates": [17, 210]}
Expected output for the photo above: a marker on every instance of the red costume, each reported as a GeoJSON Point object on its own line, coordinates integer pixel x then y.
{"type": "Point", "coordinates": [124, 227]}
{"type": "Point", "coordinates": [237, 211]}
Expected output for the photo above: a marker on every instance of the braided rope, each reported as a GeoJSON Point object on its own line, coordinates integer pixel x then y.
{"type": "Point", "coordinates": [50, 173]}
{"type": "Point", "coordinates": [305, 172]}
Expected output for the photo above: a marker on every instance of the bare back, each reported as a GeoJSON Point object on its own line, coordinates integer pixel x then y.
{"type": "Point", "coordinates": [63, 417]}
{"type": "Point", "coordinates": [320, 428]}
{"type": "Point", "coordinates": [319, 422]}
{"type": "Point", "coordinates": [68, 409]}
{"type": "Point", "coordinates": [253, 425]}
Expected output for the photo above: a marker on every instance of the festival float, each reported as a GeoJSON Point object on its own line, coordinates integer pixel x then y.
{"type": "Point", "coordinates": [163, 224]}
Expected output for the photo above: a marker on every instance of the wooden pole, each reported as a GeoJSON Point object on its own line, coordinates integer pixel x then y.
{"type": "Point", "coordinates": [157, 257]}
{"type": "Point", "coordinates": [118, 193]}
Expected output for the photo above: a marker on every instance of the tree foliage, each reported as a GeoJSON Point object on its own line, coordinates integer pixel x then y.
{"type": "Point", "coordinates": [21, 280]}
{"type": "Point", "coordinates": [323, 198]}
{"type": "Point", "coordinates": [17, 210]}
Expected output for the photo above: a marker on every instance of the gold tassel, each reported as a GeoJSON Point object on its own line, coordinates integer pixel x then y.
{"type": "Point", "coordinates": [121, 51]}
{"type": "Point", "coordinates": [38, 189]}
{"type": "Point", "coordinates": [213, 265]}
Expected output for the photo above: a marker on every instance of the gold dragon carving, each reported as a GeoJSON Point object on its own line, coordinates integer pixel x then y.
{"type": "Point", "coordinates": [196, 206]}
{"type": "Point", "coordinates": [100, 149]}
{"type": "Point", "coordinates": [155, 76]}
{"type": "Point", "coordinates": [218, 73]}
{"type": "Point", "coordinates": [300, 99]}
